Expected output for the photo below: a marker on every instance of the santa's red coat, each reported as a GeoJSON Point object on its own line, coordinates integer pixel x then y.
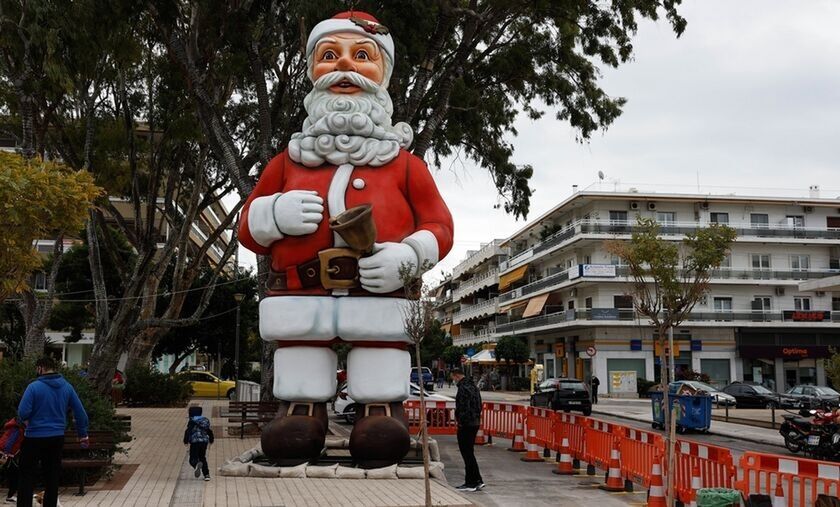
{"type": "Point", "coordinates": [403, 193]}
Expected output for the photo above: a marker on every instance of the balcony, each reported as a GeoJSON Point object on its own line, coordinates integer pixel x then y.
{"type": "Point", "coordinates": [490, 277]}
{"type": "Point", "coordinates": [606, 228]}
{"type": "Point", "coordinates": [595, 315]}
{"type": "Point", "coordinates": [483, 309]}
{"type": "Point", "coordinates": [484, 334]}
{"type": "Point", "coordinates": [476, 258]}
{"type": "Point", "coordinates": [442, 301]}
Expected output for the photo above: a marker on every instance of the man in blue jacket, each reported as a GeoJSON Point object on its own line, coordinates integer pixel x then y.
{"type": "Point", "coordinates": [44, 409]}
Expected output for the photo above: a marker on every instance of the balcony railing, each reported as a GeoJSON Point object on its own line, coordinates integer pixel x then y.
{"type": "Point", "coordinates": [504, 325]}
{"type": "Point", "coordinates": [486, 251]}
{"type": "Point", "coordinates": [607, 227]}
{"type": "Point", "coordinates": [477, 282]}
{"type": "Point", "coordinates": [475, 335]}
{"type": "Point", "coordinates": [717, 274]}
{"type": "Point", "coordinates": [489, 307]}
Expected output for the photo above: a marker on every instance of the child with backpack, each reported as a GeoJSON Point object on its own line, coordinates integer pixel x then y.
{"type": "Point", "coordinates": [198, 436]}
{"type": "Point", "coordinates": [10, 442]}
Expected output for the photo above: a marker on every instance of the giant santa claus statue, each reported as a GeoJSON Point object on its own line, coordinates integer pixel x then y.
{"type": "Point", "coordinates": [339, 212]}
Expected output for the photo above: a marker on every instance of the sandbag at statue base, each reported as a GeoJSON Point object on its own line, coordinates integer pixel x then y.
{"type": "Point", "coordinates": [297, 434]}
{"type": "Point", "coordinates": [380, 436]}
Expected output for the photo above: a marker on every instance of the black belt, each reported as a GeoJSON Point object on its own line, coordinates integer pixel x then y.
{"type": "Point", "coordinates": [334, 268]}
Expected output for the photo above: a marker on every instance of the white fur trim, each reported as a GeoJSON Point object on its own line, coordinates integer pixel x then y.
{"type": "Point", "coordinates": [261, 221]}
{"type": "Point", "coordinates": [352, 318]}
{"type": "Point", "coordinates": [378, 375]}
{"type": "Point", "coordinates": [305, 373]}
{"type": "Point", "coordinates": [425, 245]}
{"type": "Point", "coordinates": [336, 195]}
{"type": "Point", "coordinates": [330, 26]}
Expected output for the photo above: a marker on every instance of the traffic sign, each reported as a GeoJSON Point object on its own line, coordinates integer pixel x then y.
{"type": "Point", "coordinates": [470, 352]}
{"type": "Point", "coordinates": [591, 351]}
{"type": "Point", "coordinates": [463, 359]}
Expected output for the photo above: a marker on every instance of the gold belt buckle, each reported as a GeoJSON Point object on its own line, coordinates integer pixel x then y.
{"type": "Point", "coordinates": [327, 271]}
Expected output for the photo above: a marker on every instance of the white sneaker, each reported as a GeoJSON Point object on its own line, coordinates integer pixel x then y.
{"type": "Point", "coordinates": [480, 486]}
{"type": "Point", "coordinates": [206, 478]}
{"type": "Point", "coordinates": [11, 499]}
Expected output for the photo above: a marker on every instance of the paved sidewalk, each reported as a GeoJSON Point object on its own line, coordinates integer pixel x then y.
{"type": "Point", "coordinates": [639, 410]}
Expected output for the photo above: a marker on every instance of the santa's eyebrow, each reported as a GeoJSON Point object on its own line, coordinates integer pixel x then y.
{"type": "Point", "coordinates": [367, 41]}
{"type": "Point", "coordinates": [326, 40]}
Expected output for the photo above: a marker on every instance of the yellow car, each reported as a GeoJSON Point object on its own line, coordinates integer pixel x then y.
{"type": "Point", "coordinates": [206, 384]}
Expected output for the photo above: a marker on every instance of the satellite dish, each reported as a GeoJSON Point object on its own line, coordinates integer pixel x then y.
{"type": "Point", "coordinates": [601, 175]}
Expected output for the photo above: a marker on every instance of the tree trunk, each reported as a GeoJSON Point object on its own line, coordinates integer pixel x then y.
{"type": "Point", "coordinates": [107, 351]}
{"type": "Point", "coordinates": [33, 345]}
{"type": "Point", "coordinates": [424, 432]}
{"type": "Point", "coordinates": [140, 349]}
{"type": "Point", "coordinates": [268, 348]}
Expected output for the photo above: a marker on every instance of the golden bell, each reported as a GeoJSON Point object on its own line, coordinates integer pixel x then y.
{"type": "Point", "coordinates": [356, 227]}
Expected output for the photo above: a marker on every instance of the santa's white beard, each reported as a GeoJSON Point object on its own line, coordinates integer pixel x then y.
{"type": "Point", "coordinates": [348, 128]}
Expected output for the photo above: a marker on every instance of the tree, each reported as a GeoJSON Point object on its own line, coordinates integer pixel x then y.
{"type": "Point", "coordinates": [669, 278]}
{"type": "Point", "coordinates": [433, 344]}
{"type": "Point", "coordinates": [461, 88]}
{"type": "Point", "coordinates": [512, 350]}
{"type": "Point", "coordinates": [452, 354]}
{"type": "Point", "coordinates": [832, 367]}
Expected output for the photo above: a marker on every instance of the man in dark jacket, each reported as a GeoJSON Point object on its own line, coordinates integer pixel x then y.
{"type": "Point", "coordinates": [594, 383]}
{"type": "Point", "coordinates": [44, 410]}
{"type": "Point", "coordinates": [468, 416]}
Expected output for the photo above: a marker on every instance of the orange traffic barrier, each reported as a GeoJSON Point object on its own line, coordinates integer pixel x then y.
{"type": "Point", "coordinates": [638, 451]}
{"type": "Point", "coordinates": [518, 444]}
{"type": "Point", "coordinates": [541, 421]}
{"type": "Point", "coordinates": [599, 438]}
{"type": "Point", "coordinates": [480, 439]}
{"type": "Point", "coordinates": [533, 455]}
{"type": "Point", "coordinates": [500, 420]}
{"type": "Point", "coordinates": [779, 496]}
{"type": "Point", "coordinates": [573, 428]}
{"type": "Point", "coordinates": [564, 460]}
{"type": "Point", "coordinates": [440, 417]}
{"type": "Point", "coordinates": [799, 478]}
{"type": "Point", "coordinates": [614, 481]}
{"type": "Point", "coordinates": [696, 485]}
{"type": "Point", "coordinates": [717, 468]}
{"type": "Point", "coordinates": [656, 493]}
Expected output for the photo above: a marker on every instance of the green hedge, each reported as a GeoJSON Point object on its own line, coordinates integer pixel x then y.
{"type": "Point", "coordinates": [146, 386]}
{"type": "Point", "coordinates": [16, 375]}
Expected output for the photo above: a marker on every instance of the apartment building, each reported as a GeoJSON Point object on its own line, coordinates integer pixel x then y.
{"type": "Point", "coordinates": [771, 315]}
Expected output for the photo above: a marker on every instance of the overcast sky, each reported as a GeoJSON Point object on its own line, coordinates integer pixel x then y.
{"type": "Point", "coordinates": [746, 101]}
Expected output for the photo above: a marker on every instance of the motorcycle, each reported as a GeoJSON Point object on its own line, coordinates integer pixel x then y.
{"type": "Point", "coordinates": [815, 433]}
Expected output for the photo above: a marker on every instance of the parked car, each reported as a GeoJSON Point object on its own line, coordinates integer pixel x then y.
{"type": "Point", "coordinates": [806, 396]}
{"type": "Point", "coordinates": [563, 394]}
{"type": "Point", "coordinates": [718, 397]}
{"type": "Point", "coordinates": [206, 384]}
{"type": "Point", "coordinates": [749, 395]}
{"type": "Point", "coordinates": [345, 407]}
{"type": "Point", "coordinates": [428, 378]}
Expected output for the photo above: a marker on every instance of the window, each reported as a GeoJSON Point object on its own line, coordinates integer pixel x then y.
{"type": "Point", "coordinates": [587, 259]}
{"type": "Point", "coordinates": [615, 260]}
{"type": "Point", "coordinates": [800, 262]}
{"type": "Point", "coordinates": [588, 302]}
{"type": "Point", "coordinates": [666, 217]}
{"type": "Point", "coordinates": [622, 301]}
{"type": "Point", "coordinates": [835, 304]}
{"type": "Point", "coordinates": [40, 282]}
{"type": "Point", "coordinates": [801, 303]}
{"type": "Point", "coordinates": [719, 218]}
{"type": "Point", "coordinates": [723, 304]}
{"type": "Point", "coordinates": [727, 262]}
{"type": "Point", "coordinates": [759, 220]}
{"type": "Point", "coordinates": [832, 222]}
{"type": "Point", "coordinates": [760, 261]}
{"type": "Point", "coordinates": [571, 304]}
{"type": "Point", "coordinates": [796, 390]}
{"type": "Point", "coordinates": [761, 303]}
{"type": "Point", "coordinates": [619, 217]}
{"type": "Point", "coordinates": [796, 221]}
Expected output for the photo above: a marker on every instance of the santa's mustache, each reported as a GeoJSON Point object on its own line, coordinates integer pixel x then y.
{"type": "Point", "coordinates": [354, 78]}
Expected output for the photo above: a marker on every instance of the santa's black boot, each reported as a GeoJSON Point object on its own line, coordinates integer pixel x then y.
{"type": "Point", "coordinates": [297, 434]}
{"type": "Point", "coordinates": [380, 436]}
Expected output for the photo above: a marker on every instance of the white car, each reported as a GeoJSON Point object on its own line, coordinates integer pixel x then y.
{"type": "Point", "coordinates": [345, 407]}
{"type": "Point", "coordinates": [718, 397]}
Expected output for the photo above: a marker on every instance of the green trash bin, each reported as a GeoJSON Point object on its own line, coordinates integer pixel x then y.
{"type": "Point", "coordinates": [718, 497]}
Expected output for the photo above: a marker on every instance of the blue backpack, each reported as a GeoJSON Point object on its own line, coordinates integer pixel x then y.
{"type": "Point", "coordinates": [198, 427]}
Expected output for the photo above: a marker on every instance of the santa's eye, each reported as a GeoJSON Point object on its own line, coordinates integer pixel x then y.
{"type": "Point", "coordinates": [362, 55]}
{"type": "Point", "coordinates": [328, 55]}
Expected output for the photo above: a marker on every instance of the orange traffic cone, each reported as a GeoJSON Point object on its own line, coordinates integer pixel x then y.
{"type": "Point", "coordinates": [614, 481]}
{"type": "Point", "coordinates": [696, 484]}
{"type": "Point", "coordinates": [564, 462]}
{"type": "Point", "coordinates": [779, 495]}
{"type": "Point", "coordinates": [656, 494]}
{"type": "Point", "coordinates": [479, 437]}
{"type": "Point", "coordinates": [518, 445]}
{"type": "Point", "coordinates": [533, 455]}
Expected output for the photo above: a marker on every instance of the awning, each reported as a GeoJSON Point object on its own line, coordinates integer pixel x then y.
{"type": "Point", "coordinates": [439, 291]}
{"type": "Point", "coordinates": [509, 278]}
{"type": "Point", "coordinates": [483, 356]}
{"type": "Point", "coordinates": [514, 306]}
{"type": "Point", "coordinates": [535, 305]}
{"type": "Point", "coordinates": [455, 330]}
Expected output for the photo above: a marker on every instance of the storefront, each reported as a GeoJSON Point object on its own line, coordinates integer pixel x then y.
{"type": "Point", "coordinates": [780, 367]}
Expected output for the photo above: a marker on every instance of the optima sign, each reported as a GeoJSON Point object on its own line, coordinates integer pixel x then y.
{"type": "Point", "coordinates": [790, 352]}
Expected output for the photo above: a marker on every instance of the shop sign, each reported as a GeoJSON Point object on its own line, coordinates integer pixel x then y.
{"type": "Point", "coordinates": [807, 316]}
{"type": "Point", "coordinates": [604, 313]}
{"type": "Point", "coordinates": [635, 344]}
{"type": "Point", "coordinates": [559, 349]}
{"type": "Point", "coordinates": [598, 270]}
{"type": "Point", "coordinates": [696, 345]}
{"type": "Point", "coordinates": [784, 352]}
{"type": "Point", "coordinates": [657, 350]}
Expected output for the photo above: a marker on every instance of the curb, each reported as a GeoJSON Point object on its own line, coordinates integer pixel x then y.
{"type": "Point", "coordinates": [711, 432]}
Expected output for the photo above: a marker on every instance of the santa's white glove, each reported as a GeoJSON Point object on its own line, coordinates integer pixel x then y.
{"type": "Point", "coordinates": [294, 213]}
{"type": "Point", "coordinates": [380, 273]}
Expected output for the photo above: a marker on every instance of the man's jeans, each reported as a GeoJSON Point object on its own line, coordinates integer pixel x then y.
{"type": "Point", "coordinates": [466, 443]}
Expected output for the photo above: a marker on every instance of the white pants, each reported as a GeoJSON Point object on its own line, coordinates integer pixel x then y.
{"type": "Point", "coordinates": [373, 374]}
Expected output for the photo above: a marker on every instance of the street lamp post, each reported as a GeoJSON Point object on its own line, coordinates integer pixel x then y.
{"type": "Point", "coordinates": [238, 297]}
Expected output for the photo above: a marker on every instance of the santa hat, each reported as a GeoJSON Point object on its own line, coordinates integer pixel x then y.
{"type": "Point", "coordinates": [358, 22]}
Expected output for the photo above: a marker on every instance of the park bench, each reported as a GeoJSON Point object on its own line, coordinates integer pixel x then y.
{"type": "Point", "coordinates": [123, 422]}
{"type": "Point", "coordinates": [257, 412]}
{"type": "Point", "coordinates": [97, 455]}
